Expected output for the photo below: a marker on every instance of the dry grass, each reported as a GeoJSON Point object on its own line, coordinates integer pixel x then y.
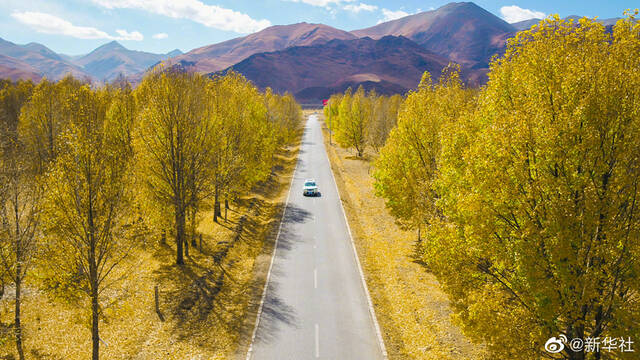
{"type": "Point", "coordinates": [207, 307]}
{"type": "Point", "coordinates": [412, 310]}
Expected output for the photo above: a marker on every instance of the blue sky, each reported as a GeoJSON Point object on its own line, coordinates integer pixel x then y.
{"type": "Point", "coordinates": [78, 26]}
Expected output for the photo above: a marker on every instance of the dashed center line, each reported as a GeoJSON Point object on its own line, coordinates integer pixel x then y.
{"type": "Point", "coordinates": [317, 341]}
{"type": "Point", "coordinates": [315, 278]}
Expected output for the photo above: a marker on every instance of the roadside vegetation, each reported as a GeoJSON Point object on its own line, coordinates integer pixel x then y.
{"type": "Point", "coordinates": [524, 193]}
{"type": "Point", "coordinates": [113, 239]}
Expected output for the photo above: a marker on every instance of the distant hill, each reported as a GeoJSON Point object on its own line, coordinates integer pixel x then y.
{"type": "Point", "coordinates": [525, 24]}
{"type": "Point", "coordinates": [112, 59]}
{"type": "Point", "coordinates": [220, 56]}
{"type": "Point", "coordinates": [389, 65]}
{"type": "Point", "coordinates": [15, 69]}
{"type": "Point", "coordinates": [41, 58]}
{"type": "Point", "coordinates": [462, 32]}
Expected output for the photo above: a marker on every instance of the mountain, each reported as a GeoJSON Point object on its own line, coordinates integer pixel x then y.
{"type": "Point", "coordinates": [174, 52]}
{"type": "Point", "coordinates": [216, 57]}
{"type": "Point", "coordinates": [112, 59]}
{"type": "Point", "coordinates": [15, 69]}
{"type": "Point", "coordinates": [41, 58]}
{"type": "Point", "coordinates": [462, 32]}
{"type": "Point", "coordinates": [389, 65]}
{"type": "Point", "coordinates": [525, 24]}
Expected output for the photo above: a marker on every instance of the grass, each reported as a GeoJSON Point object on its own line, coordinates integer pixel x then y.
{"type": "Point", "coordinates": [413, 311]}
{"type": "Point", "coordinates": [206, 309]}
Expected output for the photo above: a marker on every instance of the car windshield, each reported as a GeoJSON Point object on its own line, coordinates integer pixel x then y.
{"type": "Point", "coordinates": [309, 183]}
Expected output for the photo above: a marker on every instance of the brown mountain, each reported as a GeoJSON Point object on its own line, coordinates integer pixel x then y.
{"type": "Point", "coordinates": [462, 32]}
{"type": "Point", "coordinates": [41, 58]}
{"type": "Point", "coordinates": [112, 59]}
{"type": "Point", "coordinates": [15, 69]}
{"type": "Point", "coordinates": [389, 65]}
{"type": "Point", "coordinates": [216, 57]}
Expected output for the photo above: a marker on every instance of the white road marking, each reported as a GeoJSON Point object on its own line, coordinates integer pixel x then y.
{"type": "Point", "coordinates": [355, 254]}
{"type": "Point", "coordinates": [315, 278]}
{"type": "Point", "coordinates": [317, 341]}
{"type": "Point", "coordinates": [273, 256]}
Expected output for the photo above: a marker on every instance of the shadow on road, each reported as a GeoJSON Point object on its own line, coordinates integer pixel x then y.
{"type": "Point", "coordinates": [275, 314]}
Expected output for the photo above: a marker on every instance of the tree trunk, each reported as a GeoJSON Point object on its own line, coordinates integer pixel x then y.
{"type": "Point", "coordinates": [18, 278]}
{"type": "Point", "coordinates": [194, 212]}
{"type": "Point", "coordinates": [216, 206]}
{"type": "Point", "coordinates": [226, 207]}
{"type": "Point", "coordinates": [95, 337]}
{"type": "Point", "coordinates": [18, 326]}
{"type": "Point", "coordinates": [179, 236]}
{"type": "Point", "coordinates": [186, 248]}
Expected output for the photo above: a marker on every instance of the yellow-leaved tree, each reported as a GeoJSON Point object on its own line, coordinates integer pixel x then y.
{"type": "Point", "coordinates": [244, 141]}
{"type": "Point", "coordinates": [354, 115]}
{"type": "Point", "coordinates": [408, 164]}
{"type": "Point", "coordinates": [20, 194]}
{"type": "Point", "coordinates": [173, 145]}
{"type": "Point", "coordinates": [539, 232]}
{"type": "Point", "coordinates": [87, 201]}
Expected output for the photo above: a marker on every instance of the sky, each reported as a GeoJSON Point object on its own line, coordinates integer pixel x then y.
{"type": "Point", "coordinates": [75, 27]}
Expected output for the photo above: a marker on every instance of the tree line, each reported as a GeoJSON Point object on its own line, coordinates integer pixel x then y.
{"type": "Point", "coordinates": [360, 120]}
{"type": "Point", "coordinates": [86, 172]}
{"type": "Point", "coordinates": [527, 190]}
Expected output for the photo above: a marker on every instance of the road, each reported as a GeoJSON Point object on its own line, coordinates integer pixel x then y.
{"type": "Point", "coordinates": [316, 305]}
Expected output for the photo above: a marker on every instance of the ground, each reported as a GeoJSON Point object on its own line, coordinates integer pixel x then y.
{"type": "Point", "coordinates": [206, 308]}
{"type": "Point", "coordinates": [412, 310]}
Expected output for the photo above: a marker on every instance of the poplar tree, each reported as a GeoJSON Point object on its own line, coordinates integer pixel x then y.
{"type": "Point", "coordinates": [87, 200]}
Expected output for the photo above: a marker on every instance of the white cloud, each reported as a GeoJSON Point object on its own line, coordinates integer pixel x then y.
{"type": "Point", "coordinates": [209, 15]}
{"type": "Point", "coordinates": [360, 7]}
{"type": "Point", "coordinates": [51, 24]}
{"type": "Point", "coordinates": [514, 13]}
{"type": "Point", "coordinates": [160, 36]}
{"type": "Point", "coordinates": [322, 3]}
{"type": "Point", "coordinates": [389, 15]}
{"type": "Point", "coordinates": [134, 36]}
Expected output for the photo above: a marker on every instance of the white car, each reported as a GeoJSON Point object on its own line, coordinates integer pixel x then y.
{"type": "Point", "coordinates": [310, 188]}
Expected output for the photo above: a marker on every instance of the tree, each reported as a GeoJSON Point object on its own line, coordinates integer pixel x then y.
{"type": "Point", "coordinates": [540, 225]}
{"type": "Point", "coordinates": [87, 200]}
{"type": "Point", "coordinates": [242, 152]}
{"type": "Point", "coordinates": [174, 141]}
{"type": "Point", "coordinates": [19, 199]}
{"type": "Point", "coordinates": [408, 164]}
{"type": "Point", "coordinates": [45, 118]}
{"type": "Point", "coordinates": [332, 113]}
{"type": "Point", "coordinates": [355, 114]}
{"type": "Point", "coordinates": [284, 114]}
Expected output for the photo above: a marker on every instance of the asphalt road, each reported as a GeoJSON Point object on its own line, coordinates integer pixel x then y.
{"type": "Point", "coordinates": [316, 305]}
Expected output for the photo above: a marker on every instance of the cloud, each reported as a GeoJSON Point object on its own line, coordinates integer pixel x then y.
{"type": "Point", "coordinates": [514, 13]}
{"type": "Point", "coordinates": [389, 15]}
{"type": "Point", "coordinates": [51, 24]}
{"type": "Point", "coordinates": [322, 3]}
{"type": "Point", "coordinates": [134, 36]}
{"type": "Point", "coordinates": [360, 7]}
{"type": "Point", "coordinates": [208, 15]}
{"type": "Point", "coordinates": [160, 36]}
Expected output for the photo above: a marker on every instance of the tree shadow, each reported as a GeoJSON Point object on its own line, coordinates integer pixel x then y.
{"type": "Point", "coordinates": [275, 315]}
{"type": "Point", "coordinates": [210, 294]}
